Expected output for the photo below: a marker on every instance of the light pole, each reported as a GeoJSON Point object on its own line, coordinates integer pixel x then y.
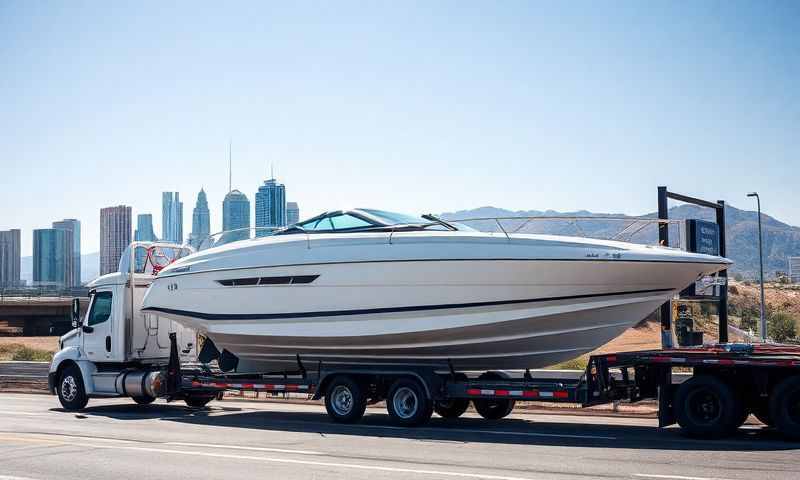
{"type": "Point", "coordinates": [761, 265]}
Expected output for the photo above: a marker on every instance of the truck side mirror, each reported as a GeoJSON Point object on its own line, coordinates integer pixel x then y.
{"type": "Point", "coordinates": [76, 312]}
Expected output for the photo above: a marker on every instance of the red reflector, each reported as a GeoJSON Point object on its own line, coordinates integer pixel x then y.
{"type": "Point", "coordinates": [291, 387]}
{"type": "Point", "coordinates": [612, 358]}
{"type": "Point", "coordinates": [473, 391]}
{"type": "Point", "coordinates": [247, 385]}
{"type": "Point", "coordinates": [501, 393]}
{"type": "Point", "coordinates": [726, 362]}
{"type": "Point", "coordinates": [561, 394]}
{"type": "Point", "coordinates": [531, 393]}
{"type": "Point", "coordinates": [662, 359]}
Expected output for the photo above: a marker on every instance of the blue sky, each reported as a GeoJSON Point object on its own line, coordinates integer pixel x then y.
{"type": "Point", "coordinates": [418, 107]}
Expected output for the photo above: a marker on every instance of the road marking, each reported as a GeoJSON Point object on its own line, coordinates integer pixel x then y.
{"type": "Point", "coordinates": [16, 412]}
{"type": "Point", "coordinates": [316, 463]}
{"type": "Point", "coordinates": [8, 477]}
{"type": "Point", "coordinates": [238, 447]}
{"type": "Point", "coordinates": [674, 477]}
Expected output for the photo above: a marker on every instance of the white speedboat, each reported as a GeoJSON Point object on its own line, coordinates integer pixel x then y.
{"type": "Point", "coordinates": [367, 286]}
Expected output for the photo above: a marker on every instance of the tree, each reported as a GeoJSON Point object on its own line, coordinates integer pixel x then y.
{"type": "Point", "coordinates": [782, 327]}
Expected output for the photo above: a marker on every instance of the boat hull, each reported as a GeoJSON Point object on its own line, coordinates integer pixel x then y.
{"type": "Point", "coordinates": [474, 315]}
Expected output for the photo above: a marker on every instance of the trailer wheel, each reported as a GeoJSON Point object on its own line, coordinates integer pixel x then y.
{"type": "Point", "coordinates": [408, 404]}
{"type": "Point", "coordinates": [71, 392]}
{"type": "Point", "coordinates": [145, 400]}
{"type": "Point", "coordinates": [784, 408]}
{"type": "Point", "coordinates": [494, 409]}
{"type": "Point", "coordinates": [345, 400]}
{"type": "Point", "coordinates": [706, 407]}
{"type": "Point", "coordinates": [453, 408]}
{"type": "Point", "coordinates": [198, 401]}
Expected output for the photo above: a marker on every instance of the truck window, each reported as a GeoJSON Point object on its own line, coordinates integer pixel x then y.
{"type": "Point", "coordinates": [101, 308]}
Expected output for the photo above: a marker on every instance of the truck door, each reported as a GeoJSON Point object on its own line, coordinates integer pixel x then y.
{"type": "Point", "coordinates": [97, 330]}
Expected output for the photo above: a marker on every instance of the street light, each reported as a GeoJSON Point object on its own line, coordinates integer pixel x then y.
{"type": "Point", "coordinates": [761, 265]}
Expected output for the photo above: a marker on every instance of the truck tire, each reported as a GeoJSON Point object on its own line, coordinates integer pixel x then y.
{"type": "Point", "coordinates": [493, 409]}
{"type": "Point", "coordinates": [145, 400]}
{"type": "Point", "coordinates": [706, 407]}
{"type": "Point", "coordinates": [345, 400]}
{"type": "Point", "coordinates": [408, 404]}
{"type": "Point", "coordinates": [784, 408]}
{"type": "Point", "coordinates": [453, 408]}
{"type": "Point", "coordinates": [197, 401]}
{"type": "Point", "coordinates": [70, 389]}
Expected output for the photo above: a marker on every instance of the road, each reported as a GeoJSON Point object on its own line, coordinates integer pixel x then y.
{"type": "Point", "coordinates": [237, 439]}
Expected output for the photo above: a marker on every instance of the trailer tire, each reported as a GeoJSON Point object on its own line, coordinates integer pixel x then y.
{"type": "Point", "coordinates": [784, 407]}
{"type": "Point", "coordinates": [493, 409]}
{"type": "Point", "coordinates": [453, 408]}
{"type": "Point", "coordinates": [408, 404]}
{"type": "Point", "coordinates": [345, 400]}
{"type": "Point", "coordinates": [706, 407]}
{"type": "Point", "coordinates": [198, 401]}
{"type": "Point", "coordinates": [144, 400]}
{"type": "Point", "coordinates": [70, 389]}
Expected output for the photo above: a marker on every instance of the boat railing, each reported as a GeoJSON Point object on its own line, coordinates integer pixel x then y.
{"type": "Point", "coordinates": [642, 230]}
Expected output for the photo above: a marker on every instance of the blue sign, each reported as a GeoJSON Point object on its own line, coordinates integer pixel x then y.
{"type": "Point", "coordinates": [702, 236]}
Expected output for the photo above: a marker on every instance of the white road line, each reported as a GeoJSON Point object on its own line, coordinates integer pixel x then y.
{"type": "Point", "coordinates": [353, 466]}
{"type": "Point", "coordinates": [8, 477]}
{"type": "Point", "coordinates": [490, 432]}
{"type": "Point", "coordinates": [238, 447]}
{"type": "Point", "coordinates": [16, 412]}
{"type": "Point", "coordinates": [674, 477]}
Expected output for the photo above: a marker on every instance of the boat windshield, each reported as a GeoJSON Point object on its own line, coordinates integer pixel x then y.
{"type": "Point", "coordinates": [365, 219]}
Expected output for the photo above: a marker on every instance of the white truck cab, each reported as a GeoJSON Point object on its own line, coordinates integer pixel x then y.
{"type": "Point", "coordinates": [116, 349]}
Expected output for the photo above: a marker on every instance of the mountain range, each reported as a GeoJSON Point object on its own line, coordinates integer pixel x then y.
{"type": "Point", "coordinates": [780, 239]}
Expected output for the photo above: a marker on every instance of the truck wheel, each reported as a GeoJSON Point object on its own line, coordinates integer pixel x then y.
{"type": "Point", "coordinates": [784, 408]}
{"type": "Point", "coordinates": [706, 407]}
{"type": "Point", "coordinates": [345, 400]}
{"type": "Point", "coordinates": [408, 404]}
{"type": "Point", "coordinates": [494, 409]}
{"type": "Point", "coordinates": [144, 400]}
{"type": "Point", "coordinates": [453, 408]}
{"type": "Point", "coordinates": [197, 401]}
{"type": "Point", "coordinates": [71, 392]}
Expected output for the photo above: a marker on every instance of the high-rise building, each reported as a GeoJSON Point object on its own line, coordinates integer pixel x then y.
{"type": "Point", "coordinates": [292, 213]}
{"type": "Point", "coordinates": [270, 206]}
{"type": "Point", "coordinates": [201, 220]}
{"type": "Point", "coordinates": [236, 215]}
{"type": "Point", "coordinates": [171, 217]}
{"type": "Point", "coordinates": [115, 236]}
{"type": "Point", "coordinates": [10, 258]}
{"type": "Point", "coordinates": [73, 226]}
{"type": "Point", "coordinates": [144, 228]}
{"type": "Point", "coordinates": [794, 269]}
{"type": "Point", "coordinates": [52, 257]}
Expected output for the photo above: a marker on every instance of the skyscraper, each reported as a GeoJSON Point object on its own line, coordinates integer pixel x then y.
{"type": "Point", "coordinates": [270, 206]}
{"type": "Point", "coordinates": [52, 257]}
{"type": "Point", "coordinates": [292, 213]}
{"type": "Point", "coordinates": [235, 215]}
{"type": "Point", "coordinates": [73, 226]}
{"type": "Point", "coordinates": [171, 217]}
{"type": "Point", "coordinates": [115, 236]}
{"type": "Point", "coordinates": [144, 228]}
{"type": "Point", "coordinates": [10, 258]}
{"type": "Point", "coordinates": [201, 220]}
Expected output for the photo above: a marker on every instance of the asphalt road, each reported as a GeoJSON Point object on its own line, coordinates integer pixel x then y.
{"type": "Point", "coordinates": [116, 439]}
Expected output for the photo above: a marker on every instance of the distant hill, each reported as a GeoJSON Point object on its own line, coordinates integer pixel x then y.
{"type": "Point", "coordinates": [90, 267]}
{"type": "Point", "coordinates": [780, 240]}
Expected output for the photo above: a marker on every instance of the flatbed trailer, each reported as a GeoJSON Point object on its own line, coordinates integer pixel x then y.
{"type": "Point", "coordinates": [727, 383]}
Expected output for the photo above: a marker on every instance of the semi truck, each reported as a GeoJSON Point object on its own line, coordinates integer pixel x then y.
{"type": "Point", "coordinates": [116, 350]}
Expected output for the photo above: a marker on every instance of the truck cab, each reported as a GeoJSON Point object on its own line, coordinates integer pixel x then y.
{"type": "Point", "coordinates": [116, 349]}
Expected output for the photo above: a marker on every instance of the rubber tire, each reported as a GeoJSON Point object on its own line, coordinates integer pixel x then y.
{"type": "Point", "coordinates": [144, 400]}
{"type": "Point", "coordinates": [81, 399]}
{"type": "Point", "coordinates": [452, 408]}
{"type": "Point", "coordinates": [198, 401]}
{"type": "Point", "coordinates": [786, 397]}
{"type": "Point", "coordinates": [359, 400]}
{"type": "Point", "coordinates": [729, 408]}
{"type": "Point", "coordinates": [494, 409]}
{"type": "Point", "coordinates": [424, 408]}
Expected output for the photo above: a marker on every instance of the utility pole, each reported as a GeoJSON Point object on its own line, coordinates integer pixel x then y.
{"type": "Point", "coordinates": [761, 267]}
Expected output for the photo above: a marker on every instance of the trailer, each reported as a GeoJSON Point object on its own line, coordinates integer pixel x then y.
{"type": "Point", "coordinates": [728, 383]}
